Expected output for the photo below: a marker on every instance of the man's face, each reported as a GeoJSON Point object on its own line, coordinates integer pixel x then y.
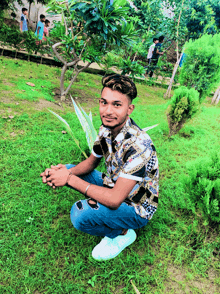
{"type": "Point", "coordinates": [25, 12]}
{"type": "Point", "coordinates": [157, 41]}
{"type": "Point", "coordinates": [114, 108]}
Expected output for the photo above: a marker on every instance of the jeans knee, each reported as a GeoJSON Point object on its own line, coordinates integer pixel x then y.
{"type": "Point", "coordinates": [77, 215]}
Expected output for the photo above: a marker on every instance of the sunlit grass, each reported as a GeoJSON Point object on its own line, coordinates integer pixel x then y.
{"type": "Point", "coordinates": [40, 250]}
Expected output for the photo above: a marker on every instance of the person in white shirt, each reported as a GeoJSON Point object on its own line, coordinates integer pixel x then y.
{"type": "Point", "coordinates": [151, 50]}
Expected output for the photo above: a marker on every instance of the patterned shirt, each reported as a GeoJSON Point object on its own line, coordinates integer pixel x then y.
{"type": "Point", "coordinates": [131, 155]}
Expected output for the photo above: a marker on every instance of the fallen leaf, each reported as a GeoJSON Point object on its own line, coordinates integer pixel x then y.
{"type": "Point", "coordinates": [11, 116]}
{"type": "Point", "coordinates": [13, 134]}
{"type": "Point", "coordinates": [64, 132]}
{"type": "Point", "coordinates": [42, 86]}
{"type": "Point", "coordinates": [4, 117]}
{"type": "Point", "coordinates": [30, 84]}
{"type": "Point", "coordinates": [23, 91]}
{"type": "Point", "coordinates": [16, 103]}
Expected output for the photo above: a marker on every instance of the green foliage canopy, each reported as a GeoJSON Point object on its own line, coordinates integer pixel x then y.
{"type": "Point", "coordinates": [201, 68]}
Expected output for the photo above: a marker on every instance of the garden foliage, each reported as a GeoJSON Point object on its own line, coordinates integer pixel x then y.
{"type": "Point", "coordinates": [201, 68]}
{"type": "Point", "coordinates": [86, 32]}
{"type": "Point", "coordinates": [203, 186]}
{"type": "Point", "coordinates": [134, 68]}
{"type": "Point", "coordinates": [11, 36]}
{"type": "Point", "coordinates": [183, 105]}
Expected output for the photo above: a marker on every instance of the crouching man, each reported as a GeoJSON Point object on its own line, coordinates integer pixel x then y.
{"type": "Point", "coordinates": [126, 197]}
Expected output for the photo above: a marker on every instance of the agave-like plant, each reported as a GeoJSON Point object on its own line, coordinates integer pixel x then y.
{"type": "Point", "coordinates": [87, 125]}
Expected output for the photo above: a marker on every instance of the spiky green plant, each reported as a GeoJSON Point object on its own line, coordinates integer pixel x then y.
{"type": "Point", "coordinates": [87, 125]}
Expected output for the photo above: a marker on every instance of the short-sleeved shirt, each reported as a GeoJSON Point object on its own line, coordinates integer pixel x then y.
{"type": "Point", "coordinates": [150, 51]}
{"type": "Point", "coordinates": [155, 54]}
{"type": "Point", "coordinates": [46, 33]}
{"type": "Point", "coordinates": [24, 24]}
{"type": "Point", "coordinates": [131, 155]}
{"type": "Point", "coordinates": [41, 31]}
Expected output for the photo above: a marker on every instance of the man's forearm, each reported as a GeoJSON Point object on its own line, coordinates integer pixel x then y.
{"type": "Point", "coordinates": [103, 195]}
{"type": "Point", "coordinates": [84, 167]}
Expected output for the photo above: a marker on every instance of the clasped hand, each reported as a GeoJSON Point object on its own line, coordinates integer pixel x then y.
{"type": "Point", "coordinates": [56, 176]}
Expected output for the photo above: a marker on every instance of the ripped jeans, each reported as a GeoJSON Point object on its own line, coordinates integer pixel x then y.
{"type": "Point", "coordinates": [99, 220]}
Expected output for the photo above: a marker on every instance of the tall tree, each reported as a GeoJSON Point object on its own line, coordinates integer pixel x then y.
{"type": "Point", "coordinates": [85, 33]}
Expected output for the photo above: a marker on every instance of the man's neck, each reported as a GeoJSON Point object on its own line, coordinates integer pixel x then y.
{"type": "Point", "coordinates": [117, 130]}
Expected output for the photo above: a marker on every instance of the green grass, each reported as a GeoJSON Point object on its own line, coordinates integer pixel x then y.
{"type": "Point", "coordinates": [41, 252]}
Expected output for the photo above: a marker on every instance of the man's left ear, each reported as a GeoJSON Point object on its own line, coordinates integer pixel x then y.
{"type": "Point", "coordinates": [130, 108]}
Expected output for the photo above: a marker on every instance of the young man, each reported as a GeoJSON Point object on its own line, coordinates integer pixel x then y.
{"type": "Point", "coordinates": [40, 28]}
{"type": "Point", "coordinates": [46, 32]}
{"type": "Point", "coordinates": [156, 54]}
{"type": "Point", "coordinates": [126, 197]}
{"type": "Point", "coordinates": [151, 49]}
{"type": "Point", "coordinates": [23, 23]}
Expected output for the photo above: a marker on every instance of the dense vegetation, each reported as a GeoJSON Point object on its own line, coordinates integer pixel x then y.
{"type": "Point", "coordinates": [177, 252]}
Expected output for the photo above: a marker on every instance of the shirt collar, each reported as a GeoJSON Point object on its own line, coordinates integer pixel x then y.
{"type": "Point", "coordinates": [121, 135]}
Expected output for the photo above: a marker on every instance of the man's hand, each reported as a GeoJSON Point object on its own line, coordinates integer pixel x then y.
{"type": "Point", "coordinates": [58, 178]}
{"type": "Point", "coordinates": [46, 174]}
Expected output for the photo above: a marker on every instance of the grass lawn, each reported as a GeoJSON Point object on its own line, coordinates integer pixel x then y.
{"type": "Point", "coordinates": [41, 252]}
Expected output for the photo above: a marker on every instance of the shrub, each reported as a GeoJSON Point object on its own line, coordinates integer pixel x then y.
{"type": "Point", "coordinates": [134, 68]}
{"type": "Point", "coordinates": [203, 186]}
{"type": "Point", "coordinates": [183, 105]}
{"type": "Point", "coordinates": [201, 68]}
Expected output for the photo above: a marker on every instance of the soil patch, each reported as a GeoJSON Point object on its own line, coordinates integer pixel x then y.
{"type": "Point", "coordinates": [179, 284]}
{"type": "Point", "coordinates": [44, 104]}
{"type": "Point", "coordinates": [79, 96]}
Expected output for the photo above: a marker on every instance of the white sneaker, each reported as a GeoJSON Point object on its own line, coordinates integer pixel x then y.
{"type": "Point", "coordinates": [109, 248]}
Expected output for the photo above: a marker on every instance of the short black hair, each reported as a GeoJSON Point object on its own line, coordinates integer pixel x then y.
{"type": "Point", "coordinates": [42, 16]}
{"type": "Point", "coordinates": [24, 9]}
{"type": "Point", "coordinates": [155, 39]}
{"type": "Point", "coordinates": [161, 38]}
{"type": "Point", "coordinates": [47, 21]}
{"type": "Point", "coordinates": [121, 84]}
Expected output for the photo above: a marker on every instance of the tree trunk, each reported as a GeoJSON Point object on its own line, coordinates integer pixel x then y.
{"type": "Point", "coordinates": [216, 96]}
{"type": "Point", "coordinates": [168, 92]}
{"type": "Point", "coordinates": [62, 77]}
{"type": "Point", "coordinates": [29, 11]}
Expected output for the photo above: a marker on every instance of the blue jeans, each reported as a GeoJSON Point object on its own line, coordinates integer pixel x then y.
{"type": "Point", "coordinates": [96, 219]}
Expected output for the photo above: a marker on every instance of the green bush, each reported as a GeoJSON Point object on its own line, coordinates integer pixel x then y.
{"type": "Point", "coordinates": [183, 105]}
{"type": "Point", "coordinates": [11, 35]}
{"type": "Point", "coordinates": [134, 68]}
{"type": "Point", "coordinates": [201, 68]}
{"type": "Point", "coordinates": [203, 186]}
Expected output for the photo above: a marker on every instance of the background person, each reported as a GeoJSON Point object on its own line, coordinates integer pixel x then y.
{"type": "Point", "coordinates": [156, 54]}
{"type": "Point", "coordinates": [126, 197]}
{"type": "Point", "coordinates": [24, 20]}
{"type": "Point", "coordinates": [151, 49]}
{"type": "Point", "coordinates": [40, 28]}
{"type": "Point", "coordinates": [46, 32]}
